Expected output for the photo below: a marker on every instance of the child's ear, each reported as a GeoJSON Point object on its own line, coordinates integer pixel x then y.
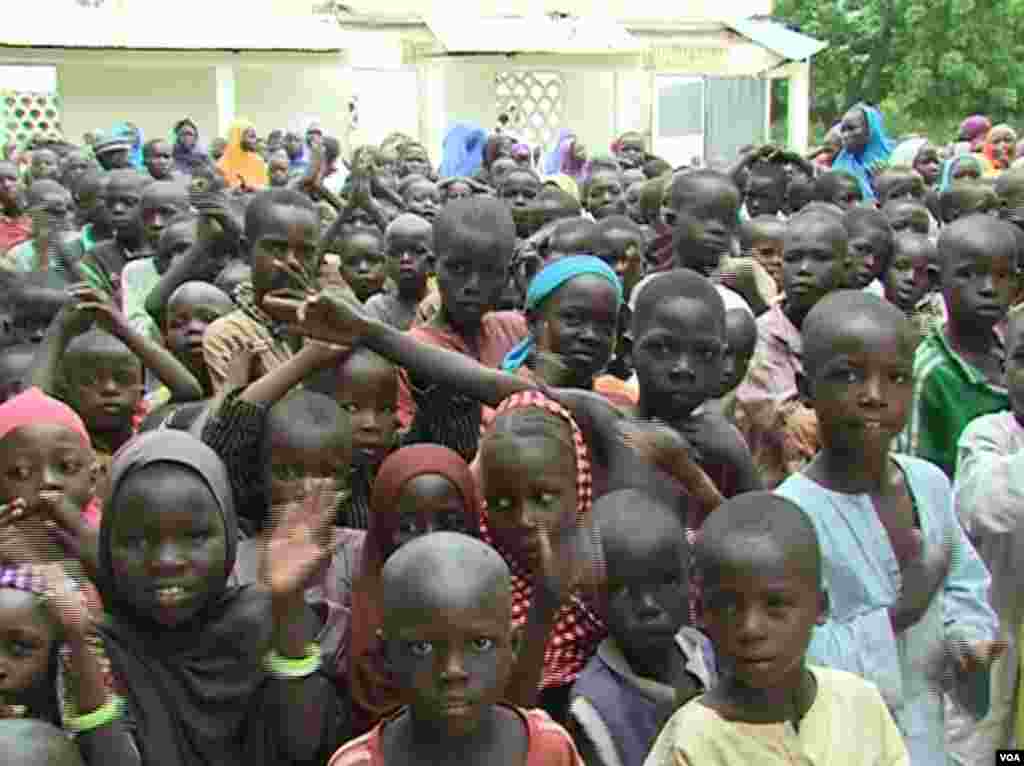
{"type": "Point", "coordinates": [824, 605]}
{"type": "Point", "coordinates": [515, 641]}
{"type": "Point", "coordinates": [385, 647]}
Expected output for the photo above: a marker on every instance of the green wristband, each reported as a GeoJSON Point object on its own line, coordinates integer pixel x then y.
{"type": "Point", "coordinates": [285, 667]}
{"type": "Point", "coordinates": [101, 716]}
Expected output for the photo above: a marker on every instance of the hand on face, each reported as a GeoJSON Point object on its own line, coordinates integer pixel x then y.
{"type": "Point", "coordinates": [332, 315]}
{"type": "Point", "coordinates": [65, 602]}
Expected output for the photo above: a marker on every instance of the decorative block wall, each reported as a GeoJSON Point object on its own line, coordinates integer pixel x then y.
{"type": "Point", "coordinates": [26, 114]}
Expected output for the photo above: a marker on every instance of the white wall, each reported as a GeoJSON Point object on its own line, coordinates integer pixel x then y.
{"type": "Point", "coordinates": [273, 94]}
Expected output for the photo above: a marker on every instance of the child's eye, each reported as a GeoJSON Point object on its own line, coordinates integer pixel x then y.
{"type": "Point", "coordinates": [456, 268]}
{"type": "Point", "coordinates": [199, 535]}
{"type": "Point", "coordinates": [502, 504]}
{"type": "Point", "coordinates": [900, 378]}
{"type": "Point", "coordinates": [71, 466]}
{"type": "Point", "coordinates": [547, 498]}
{"type": "Point", "coordinates": [20, 473]}
{"type": "Point", "coordinates": [483, 644]}
{"type": "Point", "coordinates": [350, 408]}
{"type": "Point", "coordinates": [421, 648]}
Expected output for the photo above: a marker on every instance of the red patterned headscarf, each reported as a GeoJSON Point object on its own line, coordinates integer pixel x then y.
{"type": "Point", "coordinates": [579, 625]}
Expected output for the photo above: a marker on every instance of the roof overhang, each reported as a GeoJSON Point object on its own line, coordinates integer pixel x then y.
{"type": "Point", "coordinates": [777, 38]}
{"type": "Point", "coordinates": [533, 34]}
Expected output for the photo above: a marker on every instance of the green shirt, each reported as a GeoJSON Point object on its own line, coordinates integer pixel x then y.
{"type": "Point", "coordinates": [948, 394]}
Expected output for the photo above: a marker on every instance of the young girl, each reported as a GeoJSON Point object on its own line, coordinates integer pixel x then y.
{"type": "Point", "coordinates": [908, 595]}
{"type": "Point", "coordinates": [419, 489]}
{"type": "Point", "coordinates": [210, 673]}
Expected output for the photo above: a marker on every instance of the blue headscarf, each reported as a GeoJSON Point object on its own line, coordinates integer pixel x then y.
{"type": "Point", "coordinates": [463, 150]}
{"type": "Point", "coordinates": [124, 130]}
{"type": "Point", "coordinates": [544, 283]}
{"type": "Point", "coordinates": [553, 159]}
{"type": "Point", "coordinates": [877, 149]}
{"type": "Point", "coordinates": [950, 165]}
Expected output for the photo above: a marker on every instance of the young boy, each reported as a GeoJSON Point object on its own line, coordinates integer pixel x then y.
{"type": "Point", "coordinates": [102, 267]}
{"type": "Point", "coordinates": [870, 248]}
{"type": "Point", "coordinates": [619, 242]}
{"type": "Point", "coordinates": [191, 309]}
{"type": "Point", "coordinates": [761, 238]}
{"type": "Point", "coordinates": [409, 243]}
{"type": "Point", "coordinates": [421, 196]}
{"type": "Point", "coordinates": [987, 497]}
{"type": "Point", "coordinates": [907, 215]}
{"type": "Point", "coordinates": [447, 637]}
{"type": "Point", "coordinates": [280, 226]}
{"type": "Point", "coordinates": [958, 373]}
{"type": "Point", "coordinates": [899, 184]}
{"type": "Point", "coordinates": [602, 195]}
{"type": "Point", "coordinates": [763, 595]}
{"type": "Point", "coordinates": [49, 206]}
{"type": "Point", "coordinates": [909, 281]}
{"type": "Point", "coordinates": [770, 411]}
{"type": "Point", "coordinates": [653, 660]}
{"type": "Point", "coordinates": [91, 215]}
{"type": "Point", "coordinates": [964, 198]}
{"type": "Point", "coordinates": [765, 190]}
{"type": "Point", "coordinates": [741, 342]}
{"type": "Point", "coordinates": [158, 159]}
{"type": "Point", "coordinates": [360, 251]}
{"type": "Point", "coordinates": [838, 188]}
{"type": "Point", "coordinates": [908, 595]}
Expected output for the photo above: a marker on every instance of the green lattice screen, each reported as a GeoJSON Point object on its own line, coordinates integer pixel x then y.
{"type": "Point", "coordinates": [27, 114]}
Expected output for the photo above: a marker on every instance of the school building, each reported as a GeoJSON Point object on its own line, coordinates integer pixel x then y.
{"type": "Point", "coordinates": [696, 83]}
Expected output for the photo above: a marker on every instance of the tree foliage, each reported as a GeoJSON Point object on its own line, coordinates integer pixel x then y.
{"type": "Point", "coordinates": [929, 63]}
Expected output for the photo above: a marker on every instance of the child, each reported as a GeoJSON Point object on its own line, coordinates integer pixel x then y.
{"type": "Point", "coordinates": [838, 188]}
{"type": "Point", "coordinates": [634, 206]}
{"type": "Point", "coordinates": [898, 183]}
{"type": "Point", "coordinates": [448, 643]}
{"type": "Point", "coordinates": [362, 260]}
{"type": "Point", "coordinates": [765, 190]}
{"type": "Point", "coordinates": [102, 267]}
{"type": "Point", "coordinates": [35, 743]}
{"type": "Point", "coordinates": [602, 195]}
{"type": "Point", "coordinates": [799, 194]}
{"type": "Point", "coordinates": [761, 570]}
{"type": "Point", "coordinates": [908, 282]}
{"type": "Point", "coordinates": [49, 669]}
{"type": "Point", "coordinates": [281, 227]}
{"type": "Point", "coordinates": [518, 189]}
{"type": "Point", "coordinates": [159, 162]}
{"type": "Point", "coordinates": [91, 215]}
{"type": "Point", "coordinates": [652, 661]}
{"type": "Point", "coordinates": [964, 198]}
{"type": "Point", "coordinates": [761, 238]}
{"type": "Point", "coordinates": [15, 370]}
{"type": "Point", "coordinates": [410, 260]}
{"type": "Point", "coordinates": [986, 497]}
{"type": "Point", "coordinates": [421, 196]}
{"type": "Point", "coordinates": [907, 593]}
{"type": "Point", "coordinates": [870, 247]}
{"type": "Point", "coordinates": [192, 308]}
{"type": "Point", "coordinates": [421, 489]}
{"type": "Point", "coordinates": [906, 215]}
{"type": "Point", "coordinates": [958, 373]}
{"type": "Point", "coordinates": [740, 344]}
{"type": "Point", "coordinates": [45, 166]}
{"type": "Point", "coordinates": [15, 226]}
{"type": "Point", "coordinates": [49, 205]}
{"type": "Point", "coordinates": [778, 426]}
{"type": "Point", "coordinates": [620, 243]}
{"type": "Point", "coordinates": [178, 635]}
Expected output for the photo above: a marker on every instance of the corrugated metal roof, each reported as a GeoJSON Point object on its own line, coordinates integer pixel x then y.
{"type": "Point", "coordinates": [100, 28]}
{"type": "Point", "coordinates": [536, 34]}
{"type": "Point", "coordinates": [780, 40]}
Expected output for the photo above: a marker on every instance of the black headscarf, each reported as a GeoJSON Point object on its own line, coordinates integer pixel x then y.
{"type": "Point", "coordinates": [189, 688]}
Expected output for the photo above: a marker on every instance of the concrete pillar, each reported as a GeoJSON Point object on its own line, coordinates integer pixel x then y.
{"type": "Point", "coordinates": [226, 100]}
{"type": "Point", "coordinates": [768, 109]}
{"type": "Point", "coordinates": [799, 105]}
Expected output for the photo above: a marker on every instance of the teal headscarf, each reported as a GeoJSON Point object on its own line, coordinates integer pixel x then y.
{"type": "Point", "coordinates": [878, 149]}
{"type": "Point", "coordinates": [544, 283]}
{"type": "Point", "coordinates": [951, 164]}
{"type": "Point", "coordinates": [123, 130]}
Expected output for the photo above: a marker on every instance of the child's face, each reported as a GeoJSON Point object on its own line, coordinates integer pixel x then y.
{"type": "Point", "coordinates": [470, 278]}
{"type": "Point", "coordinates": [631, 152]}
{"type": "Point", "coordinates": [928, 164]}
{"type": "Point", "coordinates": [45, 457]}
{"type": "Point", "coordinates": [362, 263]}
{"type": "Point", "coordinates": [862, 391]}
{"type": "Point", "coordinates": [815, 261]}
{"type": "Point", "coordinates": [368, 391]}
{"type": "Point", "coordinates": [44, 165]}
{"type": "Point", "coordinates": [73, 167]}
{"type": "Point", "coordinates": [157, 208]}
{"type": "Point", "coordinates": [27, 639]}
{"type": "Point", "coordinates": [1015, 368]}
{"type": "Point", "coordinates": [416, 163]}
{"type": "Point", "coordinates": [289, 233]}
{"type": "Point", "coordinates": [634, 208]}
{"type": "Point", "coordinates": [530, 485]}
{"type": "Point", "coordinates": [622, 251]}
{"type": "Point", "coordinates": [15, 364]}
{"type": "Point", "coordinates": [189, 312]}
{"type": "Point", "coordinates": [300, 466]}
{"type": "Point", "coordinates": [500, 169]}
{"type": "Point", "coordinates": [92, 208]}
{"type": "Point", "coordinates": [57, 209]}
{"type": "Point", "coordinates": [760, 607]}
{"type": "Point", "coordinates": [168, 546]}
{"type": "Point", "coordinates": [452, 657]}
{"type": "Point", "coordinates": [123, 201]}
{"type": "Point", "coordinates": [978, 285]}
{"type": "Point", "coordinates": [704, 226]}
{"type": "Point", "coordinates": [648, 594]}
{"type": "Point", "coordinates": [278, 170]}
{"type": "Point", "coordinates": [578, 323]}
{"type": "Point", "coordinates": [174, 242]}
{"type": "Point", "coordinates": [765, 196]}
{"type": "Point", "coordinates": [866, 243]}
{"type": "Point", "coordinates": [457, 191]}
{"type": "Point", "coordinates": [768, 252]}
{"type": "Point", "coordinates": [847, 194]}
{"type": "Point", "coordinates": [429, 503]}
{"type": "Point", "coordinates": [907, 278]}
{"type": "Point", "coordinates": [903, 217]}
{"type": "Point", "coordinates": [678, 357]}
{"type": "Point", "coordinates": [159, 160]}
{"type": "Point", "coordinates": [410, 257]}
{"type": "Point", "coordinates": [105, 388]}
{"type": "Point", "coordinates": [604, 195]}
{"type": "Point", "coordinates": [906, 187]}
{"type": "Point", "coordinates": [423, 199]}
{"type": "Point", "coordinates": [519, 189]}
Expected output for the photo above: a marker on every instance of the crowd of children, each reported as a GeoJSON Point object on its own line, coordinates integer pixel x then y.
{"type": "Point", "coordinates": [568, 459]}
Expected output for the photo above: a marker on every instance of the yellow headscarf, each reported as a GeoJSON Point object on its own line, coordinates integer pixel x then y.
{"type": "Point", "coordinates": [238, 165]}
{"type": "Point", "coordinates": [565, 183]}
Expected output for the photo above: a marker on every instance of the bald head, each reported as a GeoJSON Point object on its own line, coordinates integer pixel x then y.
{"type": "Point", "coordinates": [975, 235]}
{"type": "Point", "coordinates": [634, 526]}
{"type": "Point", "coordinates": [444, 570]}
{"type": "Point", "coordinates": [31, 742]}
